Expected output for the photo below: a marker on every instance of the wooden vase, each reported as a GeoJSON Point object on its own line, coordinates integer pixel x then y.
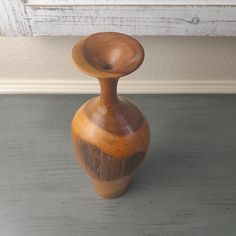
{"type": "Point", "coordinates": [110, 134]}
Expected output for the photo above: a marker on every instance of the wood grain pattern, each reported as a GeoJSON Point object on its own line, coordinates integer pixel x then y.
{"type": "Point", "coordinates": [132, 2]}
{"type": "Point", "coordinates": [186, 186]}
{"type": "Point", "coordinates": [110, 134]}
{"type": "Point", "coordinates": [106, 120]}
{"type": "Point", "coordinates": [13, 19]}
{"type": "Point", "coordinates": [202, 20]}
{"type": "Point", "coordinates": [134, 139]}
{"type": "Point", "coordinates": [152, 17]}
{"type": "Point", "coordinates": [104, 167]}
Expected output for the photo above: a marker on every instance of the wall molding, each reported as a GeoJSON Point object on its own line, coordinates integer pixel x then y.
{"type": "Point", "coordinates": [125, 86]}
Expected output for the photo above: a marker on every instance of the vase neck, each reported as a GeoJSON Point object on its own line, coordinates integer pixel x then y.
{"type": "Point", "coordinates": [108, 94]}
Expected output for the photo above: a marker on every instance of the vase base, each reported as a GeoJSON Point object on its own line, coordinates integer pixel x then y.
{"type": "Point", "coordinates": [112, 189]}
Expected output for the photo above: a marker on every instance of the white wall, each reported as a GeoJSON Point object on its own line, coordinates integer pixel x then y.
{"type": "Point", "coordinates": [169, 61]}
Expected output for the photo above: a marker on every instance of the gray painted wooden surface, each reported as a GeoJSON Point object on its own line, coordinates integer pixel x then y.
{"type": "Point", "coordinates": [186, 186]}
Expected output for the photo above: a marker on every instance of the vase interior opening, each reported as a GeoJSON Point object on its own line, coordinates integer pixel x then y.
{"type": "Point", "coordinates": [113, 53]}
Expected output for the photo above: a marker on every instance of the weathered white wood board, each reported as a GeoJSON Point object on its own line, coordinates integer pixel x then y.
{"type": "Point", "coordinates": [134, 17]}
{"type": "Point", "coordinates": [138, 20]}
{"type": "Point", "coordinates": [13, 19]}
{"type": "Point", "coordinates": [132, 2]}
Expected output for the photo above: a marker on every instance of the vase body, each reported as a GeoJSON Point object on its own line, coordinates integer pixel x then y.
{"type": "Point", "coordinates": [110, 134]}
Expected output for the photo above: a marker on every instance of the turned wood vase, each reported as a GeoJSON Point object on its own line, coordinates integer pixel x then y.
{"type": "Point", "coordinates": [110, 134]}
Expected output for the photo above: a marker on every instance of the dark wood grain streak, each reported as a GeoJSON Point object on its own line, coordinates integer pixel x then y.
{"type": "Point", "coordinates": [105, 167]}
